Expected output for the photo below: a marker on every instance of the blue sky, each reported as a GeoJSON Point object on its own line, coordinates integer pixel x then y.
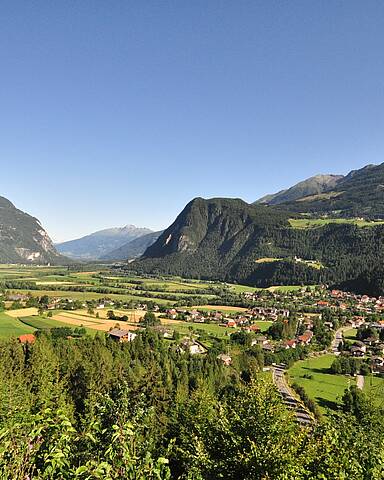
{"type": "Point", "coordinates": [122, 111]}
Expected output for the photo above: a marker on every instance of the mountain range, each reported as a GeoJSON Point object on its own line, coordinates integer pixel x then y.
{"type": "Point", "coordinates": [100, 244]}
{"type": "Point", "coordinates": [273, 241]}
{"type": "Point", "coordinates": [23, 239]}
{"type": "Point", "coordinates": [230, 240]}
{"type": "Point", "coordinates": [133, 249]}
{"type": "Point", "coordinates": [326, 229]}
{"type": "Point", "coordinates": [358, 194]}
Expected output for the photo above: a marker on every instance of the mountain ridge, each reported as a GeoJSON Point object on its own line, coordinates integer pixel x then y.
{"type": "Point", "coordinates": [23, 239]}
{"type": "Point", "coordinates": [311, 186]}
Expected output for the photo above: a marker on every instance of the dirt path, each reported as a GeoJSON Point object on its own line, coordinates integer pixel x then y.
{"type": "Point", "coordinates": [360, 381]}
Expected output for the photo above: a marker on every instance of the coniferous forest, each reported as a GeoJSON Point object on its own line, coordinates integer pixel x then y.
{"type": "Point", "coordinates": [96, 409]}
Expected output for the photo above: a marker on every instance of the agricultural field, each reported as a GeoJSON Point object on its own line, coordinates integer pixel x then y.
{"type": "Point", "coordinates": [12, 327]}
{"type": "Point", "coordinates": [42, 323]}
{"type": "Point", "coordinates": [323, 387]}
{"type": "Point", "coordinates": [95, 285]}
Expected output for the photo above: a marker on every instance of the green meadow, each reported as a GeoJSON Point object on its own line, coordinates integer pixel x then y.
{"type": "Point", "coordinates": [320, 222]}
{"type": "Point", "coordinates": [323, 387]}
{"type": "Point", "coordinates": [12, 327]}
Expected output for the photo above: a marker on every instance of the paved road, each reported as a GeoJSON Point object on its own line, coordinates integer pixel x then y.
{"type": "Point", "coordinates": [289, 397]}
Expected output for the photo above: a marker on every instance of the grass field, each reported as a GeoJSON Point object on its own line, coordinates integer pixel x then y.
{"type": "Point", "coordinates": [374, 388]}
{"type": "Point", "coordinates": [320, 222]}
{"type": "Point", "coordinates": [41, 323]}
{"type": "Point", "coordinates": [210, 328]}
{"type": "Point", "coordinates": [267, 260]}
{"type": "Point", "coordinates": [93, 296]}
{"type": "Point", "coordinates": [350, 334]}
{"type": "Point", "coordinates": [325, 388]}
{"type": "Point", "coordinates": [184, 328]}
{"type": "Point", "coordinates": [12, 327]}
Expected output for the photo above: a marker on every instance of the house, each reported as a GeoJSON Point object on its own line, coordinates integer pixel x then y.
{"type": "Point", "coordinates": [371, 341]}
{"type": "Point", "coordinates": [322, 304]}
{"type": "Point", "coordinates": [289, 344]}
{"type": "Point", "coordinates": [27, 338]}
{"type": "Point", "coordinates": [164, 331]}
{"type": "Point", "coordinates": [306, 338]}
{"type": "Point", "coordinates": [357, 351]}
{"type": "Point", "coordinates": [377, 365]}
{"type": "Point", "coordinates": [191, 346]}
{"type": "Point", "coordinates": [378, 361]}
{"type": "Point", "coordinates": [231, 323]}
{"type": "Point", "coordinates": [267, 347]}
{"type": "Point", "coordinates": [199, 319]}
{"type": "Point", "coordinates": [121, 335]}
{"type": "Point", "coordinates": [171, 313]}
{"type": "Point", "coordinates": [226, 359]}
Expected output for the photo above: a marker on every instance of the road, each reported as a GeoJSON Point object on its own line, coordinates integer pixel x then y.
{"type": "Point", "coordinates": [289, 397]}
{"type": "Point", "coordinates": [338, 340]}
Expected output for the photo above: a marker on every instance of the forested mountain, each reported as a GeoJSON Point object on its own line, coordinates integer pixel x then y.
{"type": "Point", "coordinates": [133, 249]}
{"type": "Point", "coordinates": [233, 241]}
{"type": "Point", "coordinates": [312, 186]}
{"type": "Point", "coordinates": [358, 194]}
{"type": "Point", "coordinates": [98, 244]}
{"type": "Point", "coordinates": [23, 239]}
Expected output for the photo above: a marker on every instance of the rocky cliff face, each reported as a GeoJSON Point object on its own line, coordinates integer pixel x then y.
{"type": "Point", "coordinates": [23, 239]}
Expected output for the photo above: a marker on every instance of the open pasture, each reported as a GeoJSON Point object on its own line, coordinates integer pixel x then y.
{"type": "Point", "coordinates": [42, 323]}
{"type": "Point", "coordinates": [12, 327]}
{"type": "Point", "coordinates": [320, 222]}
{"type": "Point", "coordinates": [323, 387]}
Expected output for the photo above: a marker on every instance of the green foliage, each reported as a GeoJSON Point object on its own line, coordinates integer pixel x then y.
{"type": "Point", "coordinates": [150, 320]}
{"type": "Point", "coordinates": [94, 409]}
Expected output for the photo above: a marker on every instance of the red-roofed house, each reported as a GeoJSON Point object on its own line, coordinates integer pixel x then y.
{"type": "Point", "coordinates": [306, 337]}
{"type": "Point", "coordinates": [27, 338]}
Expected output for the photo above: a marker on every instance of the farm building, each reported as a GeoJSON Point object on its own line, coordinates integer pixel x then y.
{"type": "Point", "coordinates": [122, 335]}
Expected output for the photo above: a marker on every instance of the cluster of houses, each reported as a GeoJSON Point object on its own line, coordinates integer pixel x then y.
{"type": "Point", "coordinates": [364, 303]}
{"type": "Point", "coordinates": [232, 321]}
{"type": "Point", "coordinates": [371, 348]}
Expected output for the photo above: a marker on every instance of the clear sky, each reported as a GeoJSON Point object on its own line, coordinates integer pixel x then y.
{"type": "Point", "coordinates": [121, 111]}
